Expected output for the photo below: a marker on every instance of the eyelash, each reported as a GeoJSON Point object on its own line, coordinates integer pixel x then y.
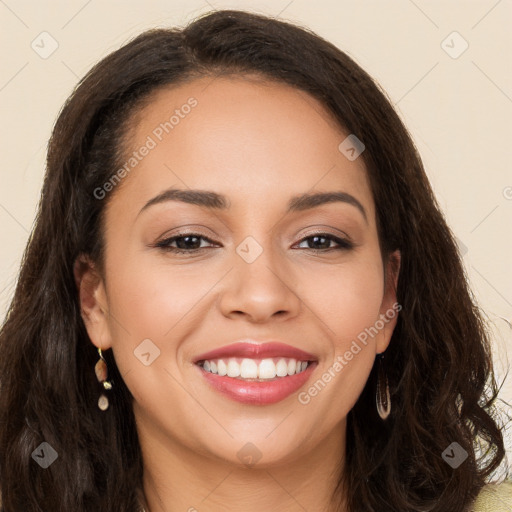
{"type": "Point", "coordinates": [343, 244]}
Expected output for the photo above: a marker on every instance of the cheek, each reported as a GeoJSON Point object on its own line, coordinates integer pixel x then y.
{"type": "Point", "coordinates": [153, 307]}
{"type": "Point", "coordinates": [347, 297]}
{"type": "Point", "coordinates": [149, 296]}
{"type": "Point", "coordinates": [348, 303]}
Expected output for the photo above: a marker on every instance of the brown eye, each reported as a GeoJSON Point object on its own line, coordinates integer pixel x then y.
{"type": "Point", "coordinates": [322, 242]}
{"type": "Point", "coordinates": [185, 243]}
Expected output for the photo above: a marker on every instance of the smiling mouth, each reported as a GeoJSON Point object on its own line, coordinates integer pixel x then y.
{"type": "Point", "coordinates": [255, 370]}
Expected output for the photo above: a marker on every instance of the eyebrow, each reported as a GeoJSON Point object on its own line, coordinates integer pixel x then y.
{"type": "Point", "coordinates": [215, 201]}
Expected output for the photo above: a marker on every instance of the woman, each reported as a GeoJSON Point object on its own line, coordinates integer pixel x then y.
{"type": "Point", "coordinates": [235, 228]}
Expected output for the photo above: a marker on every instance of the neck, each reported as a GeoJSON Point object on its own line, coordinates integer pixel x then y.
{"type": "Point", "coordinates": [177, 479]}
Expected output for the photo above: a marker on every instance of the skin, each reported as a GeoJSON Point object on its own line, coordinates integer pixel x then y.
{"type": "Point", "coordinates": [259, 143]}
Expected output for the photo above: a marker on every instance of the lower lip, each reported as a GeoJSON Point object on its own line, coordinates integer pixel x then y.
{"type": "Point", "coordinates": [258, 393]}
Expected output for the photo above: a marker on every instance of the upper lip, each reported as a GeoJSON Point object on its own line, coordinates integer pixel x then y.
{"type": "Point", "coordinates": [255, 350]}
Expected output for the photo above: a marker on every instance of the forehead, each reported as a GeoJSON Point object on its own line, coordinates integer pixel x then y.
{"type": "Point", "coordinates": [255, 141]}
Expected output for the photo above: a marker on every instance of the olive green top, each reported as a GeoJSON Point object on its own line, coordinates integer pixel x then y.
{"type": "Point", "coordinates": [494, 498]}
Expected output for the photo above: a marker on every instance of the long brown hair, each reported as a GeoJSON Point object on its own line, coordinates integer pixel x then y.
{"type": "Point", "coordinates": [438, 363]}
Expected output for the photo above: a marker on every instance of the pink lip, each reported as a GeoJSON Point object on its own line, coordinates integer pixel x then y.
{"type": "Point", "coordinates": [257, 392]}
{"type": "Point", "coordinates": [255, 350]}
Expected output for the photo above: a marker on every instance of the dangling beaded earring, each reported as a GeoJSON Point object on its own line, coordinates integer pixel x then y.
{"type": "Point", "coordinates": [102, 374]}
{"type": "Point", "coordinates": [382, 397]}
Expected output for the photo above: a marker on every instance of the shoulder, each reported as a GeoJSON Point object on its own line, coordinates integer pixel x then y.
{"type": "Point", "coordinates": [494, 498]}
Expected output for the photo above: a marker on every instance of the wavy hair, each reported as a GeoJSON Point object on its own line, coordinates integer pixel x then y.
{"type": "Point", "coordinates": [438, 363]}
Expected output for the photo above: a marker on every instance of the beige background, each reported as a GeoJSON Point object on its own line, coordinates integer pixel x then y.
{"type": "Point", "coordinates": [456, 102]}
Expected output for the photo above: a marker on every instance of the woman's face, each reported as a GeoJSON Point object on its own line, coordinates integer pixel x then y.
{"type": "Point", "coordinates": [256, 276]}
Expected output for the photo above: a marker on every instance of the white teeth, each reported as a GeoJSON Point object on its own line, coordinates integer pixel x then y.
{"type": "Point", "coordinates": [233, 368]}
{"type": "Point", "coordinates": [221, 368]}
{"type": "Point", "coordinates": [281, 368]}
{"type": "Point", "coordinates": [267, 369]}
{"type": "Point", "coordinates": [251, 369]}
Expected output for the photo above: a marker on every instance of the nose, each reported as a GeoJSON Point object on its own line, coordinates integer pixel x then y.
{"type": "Point", "coordinates": [260, 290]}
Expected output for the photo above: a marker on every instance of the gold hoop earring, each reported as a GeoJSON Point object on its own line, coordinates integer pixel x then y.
{"type": "Point", "coordinates": [382, 397]}
{"type": "Point", "coordinates": [101, 371]}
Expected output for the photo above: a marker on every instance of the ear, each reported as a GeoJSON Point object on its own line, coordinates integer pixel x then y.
{"type": "Point", "coordinates": [389, 308]}
{"type": "Point", "coordinates": [93, 301]}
